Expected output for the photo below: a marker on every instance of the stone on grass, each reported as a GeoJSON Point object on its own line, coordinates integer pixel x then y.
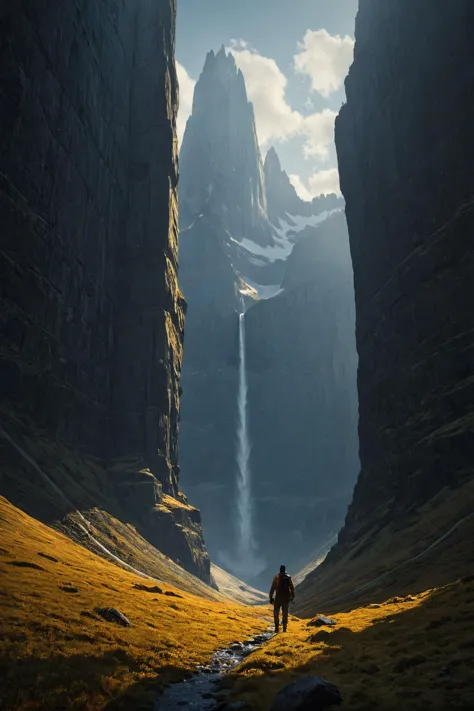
{"type": "Point", "coordinates": [112, 615]}
{"type": "Point", "coordinates": [320, 620]}
{"type": "Point", "coordinates": [310, 693]}
{"type": "Point", "coordinates": [67, 587]}
{"type": "Point", "coordinates": [151, 589]}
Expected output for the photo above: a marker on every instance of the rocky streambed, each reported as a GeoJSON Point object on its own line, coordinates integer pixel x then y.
{"type": "Point", "coordinates": [199, 691]}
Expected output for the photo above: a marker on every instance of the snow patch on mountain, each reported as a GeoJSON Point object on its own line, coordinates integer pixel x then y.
{"type": "Point", "coordinates": [297, 223]}
{"type": "Point", "coordinates": [284, 236]}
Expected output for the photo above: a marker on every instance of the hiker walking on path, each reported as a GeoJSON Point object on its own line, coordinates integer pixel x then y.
{"type": "Point", "coordinates": [282, 593]}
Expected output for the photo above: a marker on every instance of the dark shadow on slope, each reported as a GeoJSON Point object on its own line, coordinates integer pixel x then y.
{"type": "Point", "coordinates": [57, 682]}
{"type": "Point", "coordinates": [416, 659]}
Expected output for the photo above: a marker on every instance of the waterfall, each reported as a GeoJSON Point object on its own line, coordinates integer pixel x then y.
{"type": "Point", "coordinates": [244, 498]}
{"type": "Point", "coordinates": [243, 561]}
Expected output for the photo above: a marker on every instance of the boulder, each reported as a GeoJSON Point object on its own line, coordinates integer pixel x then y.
{"type": "Point", "coordinates": [69, 588]}
{"type": "Point", "coordinates": [309, 693]}
{"type": "Point", "coordinates": [112, 615]}
{"type": "Point", "coordinates": [152, 588]}
{"type": "Point", "coordinates": [320, 620]}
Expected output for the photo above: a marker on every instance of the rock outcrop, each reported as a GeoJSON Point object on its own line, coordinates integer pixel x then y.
{"type": "Point", "coordinates": [403, 141]}
{"type": "Point", "coordinates": [302, 400]}
{"type": "Point", "coordinates": [91, 313]}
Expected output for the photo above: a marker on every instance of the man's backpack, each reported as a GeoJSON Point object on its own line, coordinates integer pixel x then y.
{"type": "Point", "coordinates": [283, 587]}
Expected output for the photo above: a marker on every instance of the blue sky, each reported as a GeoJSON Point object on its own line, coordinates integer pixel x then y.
{"type": "Point", "coordinates": [294, 55]}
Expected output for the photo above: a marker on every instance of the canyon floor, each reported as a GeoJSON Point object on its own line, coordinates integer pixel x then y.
{"type": "Point", "coordinates": [412, 652]}
{"type": "Point", "coordinates": [56, 652]}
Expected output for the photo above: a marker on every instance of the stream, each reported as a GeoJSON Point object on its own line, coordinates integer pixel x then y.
{"type": "Point", "coordinates": [197, 692]}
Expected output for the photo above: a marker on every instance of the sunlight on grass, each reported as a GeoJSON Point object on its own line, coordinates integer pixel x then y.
{"type": "Point", "coordinates": [413, 652]}
{"type": "Point", "coordinates": [56, 652]}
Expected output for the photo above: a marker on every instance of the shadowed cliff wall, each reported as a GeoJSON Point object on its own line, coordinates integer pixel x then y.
{"type": "Point", "coordinates": [403, 142]}
{"type": "Point", "coordinates": [91, 313]}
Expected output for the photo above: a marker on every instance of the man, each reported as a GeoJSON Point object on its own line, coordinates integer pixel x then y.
{"type": "Point", "coordinates": [282, 593]}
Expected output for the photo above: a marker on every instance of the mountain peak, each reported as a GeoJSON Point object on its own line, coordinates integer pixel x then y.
{"type": "Point", "coordinates": [221, 166]}
{"type": "Point", "coordinates": [272, 160]}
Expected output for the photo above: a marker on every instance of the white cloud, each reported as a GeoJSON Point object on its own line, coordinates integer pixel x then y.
{"type": "Point", "coordinates": [322, 182]}
{"type": "Point", "coordinates": [325, 59]}
{"type": "Point", "coordinates": [318, 130]}
{"type": "Point", "coordinates": [239, 44]}
{"type": "Point", "coordinates": [186, 93]}
{"type": "Point", "coordinates": [266, 86]}
{"type": "Point", "coordinates": [275, 119]}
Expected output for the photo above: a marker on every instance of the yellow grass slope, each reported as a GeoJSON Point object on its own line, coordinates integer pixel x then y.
{"type": "Point", "coordinates": [413, 653]}
{"type": "Point", "coordinates": [235, 589]}
{"type": "Point", "coordinates": [57, 653]}
{"type": "Point", "coordinates": [124, 541]}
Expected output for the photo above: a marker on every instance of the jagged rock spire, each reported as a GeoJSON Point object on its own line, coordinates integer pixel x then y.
{"type": "Point", "coordinates": [221, 166]}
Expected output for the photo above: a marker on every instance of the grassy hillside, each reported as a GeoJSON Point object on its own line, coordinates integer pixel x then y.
{"type": "Point", "coordinates": [413, 653]}
{"type": "Point", "coordinates": [374, 554]}
{"type": "Point", "coordinates": [57, 653]}
{"type": "Point", "coordinates": [235, 589]}
{"type": "Point", "coordinates": [124, 541]}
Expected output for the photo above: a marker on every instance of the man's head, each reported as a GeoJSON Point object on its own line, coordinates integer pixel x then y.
{"type": "Point", "coordinates": [282, 569]}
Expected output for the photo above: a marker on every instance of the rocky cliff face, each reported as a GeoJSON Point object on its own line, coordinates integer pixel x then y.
{"type": "Point", "coordinates": [226, 263]}
{"type": "Point", "coordinates": [91, 313]}
{"type": "Point", "coordinates": [302, 398]}
{"type": "Point", "coordinates": [407, 179]}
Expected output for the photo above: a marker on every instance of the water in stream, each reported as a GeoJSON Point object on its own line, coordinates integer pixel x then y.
{"type": "Point", "coordinates": [196, 693]}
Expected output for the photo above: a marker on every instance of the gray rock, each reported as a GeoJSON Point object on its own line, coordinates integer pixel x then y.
{"type": "Point", "coordinates": [309, 693]}
{"type": "Point", "coordinates": [112, 615]}
{"type": "Point", "coordinates": [320, 621]}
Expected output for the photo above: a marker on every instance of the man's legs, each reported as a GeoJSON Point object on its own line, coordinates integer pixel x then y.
{"type": "Point", "coordinates": [276, 614]}
{"type": "Point", "coordinates": [284, 607]}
